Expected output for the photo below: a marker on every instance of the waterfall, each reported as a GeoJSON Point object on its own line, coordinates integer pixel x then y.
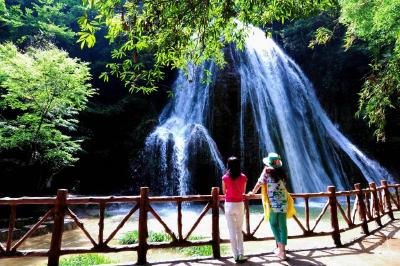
{"type": "Point", "coordinates": [284, 110]}
{"type": "Point", "coordinates": [291, 122]}
{"type": "Point", "coordinates": [182, 132]}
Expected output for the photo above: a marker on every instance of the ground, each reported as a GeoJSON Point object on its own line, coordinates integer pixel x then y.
{"type": "Point", "coordinates": [381, 247]}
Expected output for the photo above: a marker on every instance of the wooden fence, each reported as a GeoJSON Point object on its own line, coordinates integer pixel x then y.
{"type": "Point", "coordinates": [369, 203]}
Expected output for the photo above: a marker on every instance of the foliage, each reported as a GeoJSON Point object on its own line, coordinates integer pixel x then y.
{"type": "Point", "coordinates": [322, 35]}
{"type": "Point", "coordinates": [132, 237]}
{"type": "Point", "coordinates": [41, 94]}
{"type": "Point", "coordinates": [85, 260]}
{"type": "Point", "coordinates": [155, 34]}
{"type": "Point", "coordinates": [205, 250]}
{"type": "Point", "coordinates": [26, 22]}
{"type": "Point", "coordinates": [377, 23]}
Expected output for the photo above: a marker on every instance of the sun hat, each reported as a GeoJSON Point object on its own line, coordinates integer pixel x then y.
{"type": "Point", "coordinates": [273, 160]}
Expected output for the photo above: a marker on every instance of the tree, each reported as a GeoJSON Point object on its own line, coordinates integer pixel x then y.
{"type": "Point", "coordinates": [41, 94]}
{"type": "Point", "coordinates": [155, 34]}
{"type": "Point", "coordinates": [26, 22]}
{"type": "Point", "coordinates": [375, 22]}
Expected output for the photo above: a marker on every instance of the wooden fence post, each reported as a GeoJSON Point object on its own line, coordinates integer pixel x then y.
{"type": "Point", "coordinates": [215, 223]}
{"type": "Point", "coordinates": [11, 226]}
{"type": "Point", "coordinates": [143, 233]}
{"type": "Point", "coordinates": [375, 203]}
{"type": "Point", "coordinates": [58, 227]}
{"type": "Point", "coordinates": [361, 208]}
{"type": "Point", "coordinates": [247, 216]}
{"type": "Point", "coordinates": [334, 216]}
{"type": "Point", "coordinates": [307, 214]}
{"type": "Point", "coordinates": [101, 223]}
{"type": "Point", "coordinates": [387, 199]}
{"type": "Point", "coordinates": [179, 208]}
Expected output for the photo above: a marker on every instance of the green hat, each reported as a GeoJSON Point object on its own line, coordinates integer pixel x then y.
{"type": "Point", "coordinates": [273, 160]}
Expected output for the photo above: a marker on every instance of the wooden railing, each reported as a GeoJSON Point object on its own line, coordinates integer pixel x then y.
{"type": "Point", "coordinates": [370, 204]}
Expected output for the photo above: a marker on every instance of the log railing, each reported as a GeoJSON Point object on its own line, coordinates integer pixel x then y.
{"type": "Point", "coordinates": [347, 210]}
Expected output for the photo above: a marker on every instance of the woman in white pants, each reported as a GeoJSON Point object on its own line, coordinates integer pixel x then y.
{"type": "Point", "coordinates": [234, 186]}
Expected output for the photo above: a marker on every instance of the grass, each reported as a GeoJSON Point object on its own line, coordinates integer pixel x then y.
{"type": "Point", "coordinates": [132, 237]}
{"type": "Point", "coordinates": [85, 260]}
{"type": "Point", "coordinates": [205, 250]}
{"type": "Point", "coordinates": [129, 238]}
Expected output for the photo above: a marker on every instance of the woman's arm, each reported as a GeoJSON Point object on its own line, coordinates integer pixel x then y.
{"type": "Point", "coordinates": [255, 189]}
{"type": "Point", "coordinates": [258, 185]}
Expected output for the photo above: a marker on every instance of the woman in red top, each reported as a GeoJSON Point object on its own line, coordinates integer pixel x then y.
{"type": "Point", "coordinates": [234, 186]}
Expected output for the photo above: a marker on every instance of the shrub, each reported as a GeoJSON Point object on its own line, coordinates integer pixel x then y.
{"type": "Point", "coordinates": [206, 250]}
{"type": "Point", "coordinates": [132, 237]}
{"type": "Point", "coordinates": [129, 238]}
{"type": "Point", "coordinates": [85, 260]}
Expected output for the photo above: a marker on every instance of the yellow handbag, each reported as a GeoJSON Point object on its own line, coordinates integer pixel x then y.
{"type": "Point", "coordinates": [291, 210]}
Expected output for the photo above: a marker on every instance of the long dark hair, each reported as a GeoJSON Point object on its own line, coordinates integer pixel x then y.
{"type": "Point", "coordinates": [233, 166]}
{"type": "Point", "coordinates": [278, 174]}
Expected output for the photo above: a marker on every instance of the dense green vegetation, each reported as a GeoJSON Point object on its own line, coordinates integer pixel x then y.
{"type": "Point", "coordinates": [377, 24]}
{"type": "Point", "coordinates": [133, 236]}
{"type": "Point", "coordinates": [28, 22]}
{"type": "Point", "coordinates": [85, 260]}
{"type": "Point", "coordinates": [154, 34]}
{"type": "Point", "coordinates": [42, 92]}
{"type": "Point", "coordinates": [45, 25]}
{"type": "Point", "coordinates": [50, 118]}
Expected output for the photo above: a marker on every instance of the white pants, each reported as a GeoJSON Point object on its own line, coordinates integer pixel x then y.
{"type": "Point", "coordinates": [234, 212]}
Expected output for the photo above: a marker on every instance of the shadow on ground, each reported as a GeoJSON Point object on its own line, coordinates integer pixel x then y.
{"type": "Point", "coordinates": [381, 247]}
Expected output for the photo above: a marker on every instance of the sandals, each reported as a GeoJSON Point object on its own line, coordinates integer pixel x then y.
{"type": "Point", "coordinates": [276, 251]}
{"type": "Point", "coordinates": [240, 259]}
{"type": "Point", "coordinates": [281, 255]}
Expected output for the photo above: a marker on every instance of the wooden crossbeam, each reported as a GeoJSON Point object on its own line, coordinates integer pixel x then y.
{"type": "Point", "coordinates": [299, 223]}
{"type": "Point", "coordinates": [320, 216]}
{"type": "Point", "coordinates": [205, 210]}
{"type": "Point", "coordinates": [33, 229]}
{"type": "Point", "coordinates": [258, 226]}
{"type": "Point", "coordinates": [166, 228]}
{"type": "Point", "coordinates": [80, 224]}
{"type": "Point", "coordinates": [343, 214]}
{"type": "Point", "coordinates": [121, 224]}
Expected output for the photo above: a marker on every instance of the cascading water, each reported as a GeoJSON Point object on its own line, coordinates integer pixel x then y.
{"type": "Point", "coordinates": [286, 115]}
{"type": "Point", "coordinates": [290, 120]}
{"type": "Point", "coordinates": [182, 132]}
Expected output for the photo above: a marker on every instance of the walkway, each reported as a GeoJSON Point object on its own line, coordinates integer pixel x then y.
{"type": "Point", "coordinates": [381, 247]}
